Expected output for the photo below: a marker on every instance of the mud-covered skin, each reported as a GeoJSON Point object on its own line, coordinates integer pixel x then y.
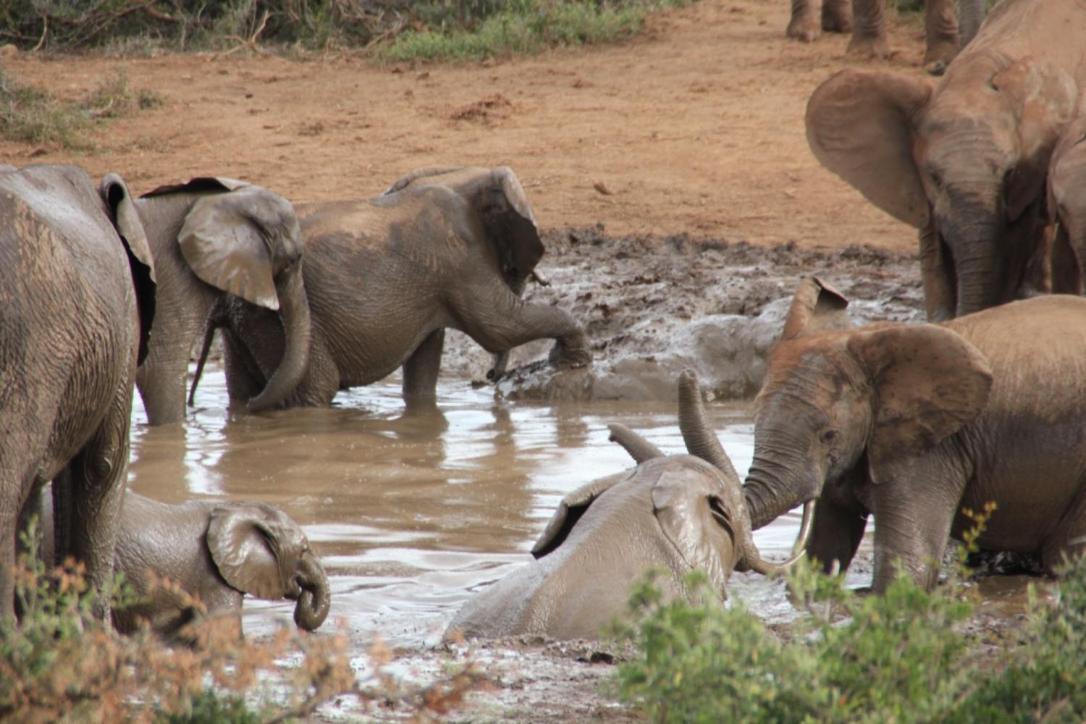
{"type": "Point", "coordinates": [910, 423]}
{"type": "Point", "coordinates": [70, 335]}
{"type": "Point", "coordinates": [385, 277]}
{"type": "Point", "coordinates": [963, 161]}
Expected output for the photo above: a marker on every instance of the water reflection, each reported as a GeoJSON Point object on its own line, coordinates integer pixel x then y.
{"type": "Point", "coordinates": [411, 512]}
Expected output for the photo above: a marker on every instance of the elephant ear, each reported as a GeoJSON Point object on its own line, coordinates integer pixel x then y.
{"type": "Point", "coordinates": [1044, 99]}
{"type": "Point", "coordinates": [238, 241]}
{"type": "Point", "coordinates": [253, 547]}
{"type": "Point", "coordinates": [860, 126]}
{"type": "Point", "coordinates": [126, 220]}
{"type": "Point", "coordinates": [570, 509]}
{"type": "Point", "coordinates": [689, 508]}
{"type": "Point", "coordinates": [928, 382]}
{"type": "Point", "coordinates": [816, 307]}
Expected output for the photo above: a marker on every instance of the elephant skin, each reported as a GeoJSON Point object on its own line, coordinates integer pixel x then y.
{"type": "Point", "coordinates": [384, 277]}
{"type": "Point", "coordinates": [216, 553]}
{"type": "Point", "coordinates": [77, 301]}
{"type": "Point", "coordinates": [1067, 207]}
{"type": "Point", "coordinates": [212, 239]}
{"type": "Point", "coordinates": [911, 423]}
{"type": "Point", "coordinates": [677, 514]}
{"type": "Point", "coordinates": [963, 161]}
{"type": "Point", "coordinates": [867, 21]}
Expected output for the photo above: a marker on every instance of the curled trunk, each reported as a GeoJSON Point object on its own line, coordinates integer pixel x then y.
{"type": "Point", "coordinates": [316, 598]}
{"type": "Point", "coordinates": [294, 314]}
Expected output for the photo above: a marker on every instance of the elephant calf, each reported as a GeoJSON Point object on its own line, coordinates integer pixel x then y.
{"type": "Point", "coordinates": [216, 552]}
{"type": "Point", "coordinates": [678, 513]}
{"type": "Point", "coordinates": [1067, 207]}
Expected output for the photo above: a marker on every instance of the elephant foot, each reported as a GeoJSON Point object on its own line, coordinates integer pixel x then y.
{"type": "Point", "coordinates": [835, 20]}
{"type": "Point", "coordinates": [938, 57]}
{"type": "Point", "coordinates": [565, 358]}
{"type": "Point", "coordinates": [867, 48]}
{"type": "Point", "coordinates": [804, 28]}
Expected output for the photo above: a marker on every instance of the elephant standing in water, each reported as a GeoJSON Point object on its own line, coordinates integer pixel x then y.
{"type": "Point", "coordinates": [215, 552]}
{"type": "Point", "coordinates": [214, 237]}
{"type": "Point", "coordinates": [911, 423]}
{"type": "Point", "coordinates": [867, 21]}
{"type": "Point", "coordinates": [679, 513]}
{"type": "Point", "coordinates": [964, 161]}
{"type": "Point", "coordinates": [384, 277]}
{"type": "Point", "coordinates": [76, 303]}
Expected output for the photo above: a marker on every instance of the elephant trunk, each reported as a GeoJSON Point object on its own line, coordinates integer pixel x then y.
{"type": "Point", "coordinates": [970, 16]}
{"type": "Point", "coordinates": [501, 359]}
{"type": "Point", "coordinates": [972, 233]}
{"type": "Point", "coordinates": [315, 598]}
{"type": "Point", "coordinates": [769, 491]}
{"type": "Point", "coordinates": [294, 314]}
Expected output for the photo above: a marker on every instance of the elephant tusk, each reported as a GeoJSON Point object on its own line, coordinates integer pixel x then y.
{"type": "Point", "coordinates": [799, 549]}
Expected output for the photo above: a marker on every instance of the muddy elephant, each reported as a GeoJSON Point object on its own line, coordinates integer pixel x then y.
{"type": "Point", "coordinates": [384, 278]}
{"type": "Point", "coordinates": [1067, 208]}
{"type": "Point", "coordinates": [911, 423]}
{"type": "Point", "coordinates": [77, 300]}
{"type": "Point", "coordinates": [215, 553]}
{"type": "Point", "coordinates": [964, 161]}
{"type": "Point", "coordinates": [213, 238]}
{"type": "Point", "coordinates": [674, 513]}
{"type": "Point", "coordinates": [867, 21]}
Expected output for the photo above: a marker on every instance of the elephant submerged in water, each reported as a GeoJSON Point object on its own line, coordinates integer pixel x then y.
{"type": "Point", "coordinates": [911, 423]}
{"type": "Point", "coordinates": [384, 277]}
{"type": "Point", "coordinates": [678, 513]}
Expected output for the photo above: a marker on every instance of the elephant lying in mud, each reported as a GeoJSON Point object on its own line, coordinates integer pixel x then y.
{"type": "Point", "coordinates": [213, 237]}
{"type": "Point", "coordinates": [867, 21]}
{"type": "Point", "coordinates": [677, 513]}
{"type": "Point", "coordinates": [216, 553]}
{"type": "Point", "coordinates": [911, 423]}
{"type": "Point", "coordinates": [76, 303]}
{"type": "Point", "coordinates": [1067, 206]}
{"type": "Point", "coordinates": [384, 277]}
{"type": "Point", "coordinates": [964, 161]}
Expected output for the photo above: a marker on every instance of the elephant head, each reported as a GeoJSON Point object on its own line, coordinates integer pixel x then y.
{"type": "Point", "coordinates": [964, 162]}
{"type": "Point", "coordinates": [212, 236]}
{"type": "Point", "coordinates": [839, 402]}
{"type": "Point", "coordinates": [1067, 208]}
{"type": "Point", "coordinates": [259, 550]}
{"type": "Point", "coordinates": [502, 209]}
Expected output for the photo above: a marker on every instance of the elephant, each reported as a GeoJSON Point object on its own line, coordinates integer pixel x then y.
{"type": "Point", "coordinates": [677, 513]}
{"type": "Point", "coordinates": [384, 277]}
{"type": "Point", "coordinates": [867, 21]}
{"type": "Point", "coordinates": [216, 553]}
{"type": "Point", "coordinates": [1067, 208]}
{"type": "Point", "coordinates": [214, 238]}
{"type": "Point", "coordinates": [77, 294]}
{"type": "Point", "coordinates": [912, 423]}
{"type": "Point", "coordinates": [965, 161]}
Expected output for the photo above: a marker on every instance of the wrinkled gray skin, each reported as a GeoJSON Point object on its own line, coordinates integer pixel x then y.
{"type": "Point", "coordinates": [217, 552]}
{"type": "Point", "coordinates": [213, 238]}
{"type": "Point", "coordinates": [1067, 206]}
{"type": "Point", "coordinates": [676, 514]}
{"type": "Point", "coordinates": [963, 161]}
{"type": "Point", "coordinates": [867, 21]}
{"type": "Point", "coordinates": [70, 335]}
{"type": "Point", "coordinates": [911, 423]}
{"type": "Point", "coordinates": [384, 277]}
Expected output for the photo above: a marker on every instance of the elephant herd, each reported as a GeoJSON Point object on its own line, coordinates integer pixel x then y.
{"type": "Point", "coordinates": [104, 292]}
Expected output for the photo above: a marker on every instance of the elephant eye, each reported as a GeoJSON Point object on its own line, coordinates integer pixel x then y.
{"type": "Point", "coordinates": [828, 436]}
{"type": "Point", "coordinates": [935, 178]}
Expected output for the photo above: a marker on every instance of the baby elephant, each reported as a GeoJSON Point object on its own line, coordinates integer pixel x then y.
{"type": "Point", "coordinates": [216, 552]}
{"type": "Point", "coordinates": [677, 513]}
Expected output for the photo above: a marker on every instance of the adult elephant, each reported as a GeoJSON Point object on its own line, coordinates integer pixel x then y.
{"type": "Point", "coordinates": [212, 238]}
{"type": "Point", "coordinates": [675, 513]}
{"type": "Point", "coordinates": [1067, 208]}
{"type": "Point", "coordinates": [385, 277]}
{"type": "Point", "coordinates": [964, 161]}
{"type": "Point", "coordinates": [201, 558]}
{"type": "Point", "coordinates": [912, 423]}
{"type": "Point", "coordinates": [867, 21]}
{"type": "Point", "coordinates": [76, 303]}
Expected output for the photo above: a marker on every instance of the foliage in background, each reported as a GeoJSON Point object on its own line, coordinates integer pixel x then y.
{"type": "Point", "coordinates": [60, 663]}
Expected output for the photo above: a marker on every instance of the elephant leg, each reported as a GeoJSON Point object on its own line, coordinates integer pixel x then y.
{"type": "Point", "coordinates": [836, 16]}
{"type": "Point", "coordinates": [804, 22]}
{"type": "Point", "coordinates": [161, 385]}
{"type": "Point", "coordinates": [836, 534]}
{"type": "Point", "coordinates": [1069, 537]}
{"type": "Point", "coordinates": [940, 299]}
{"type": "Point", "coordinates": [914, 510]}
{"type": "Point", "coordinates": [941, 32]}
{"type": "Point", "coordinates": [421, 369]}
{"type": "Point", "coordinates": [869, 38]}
